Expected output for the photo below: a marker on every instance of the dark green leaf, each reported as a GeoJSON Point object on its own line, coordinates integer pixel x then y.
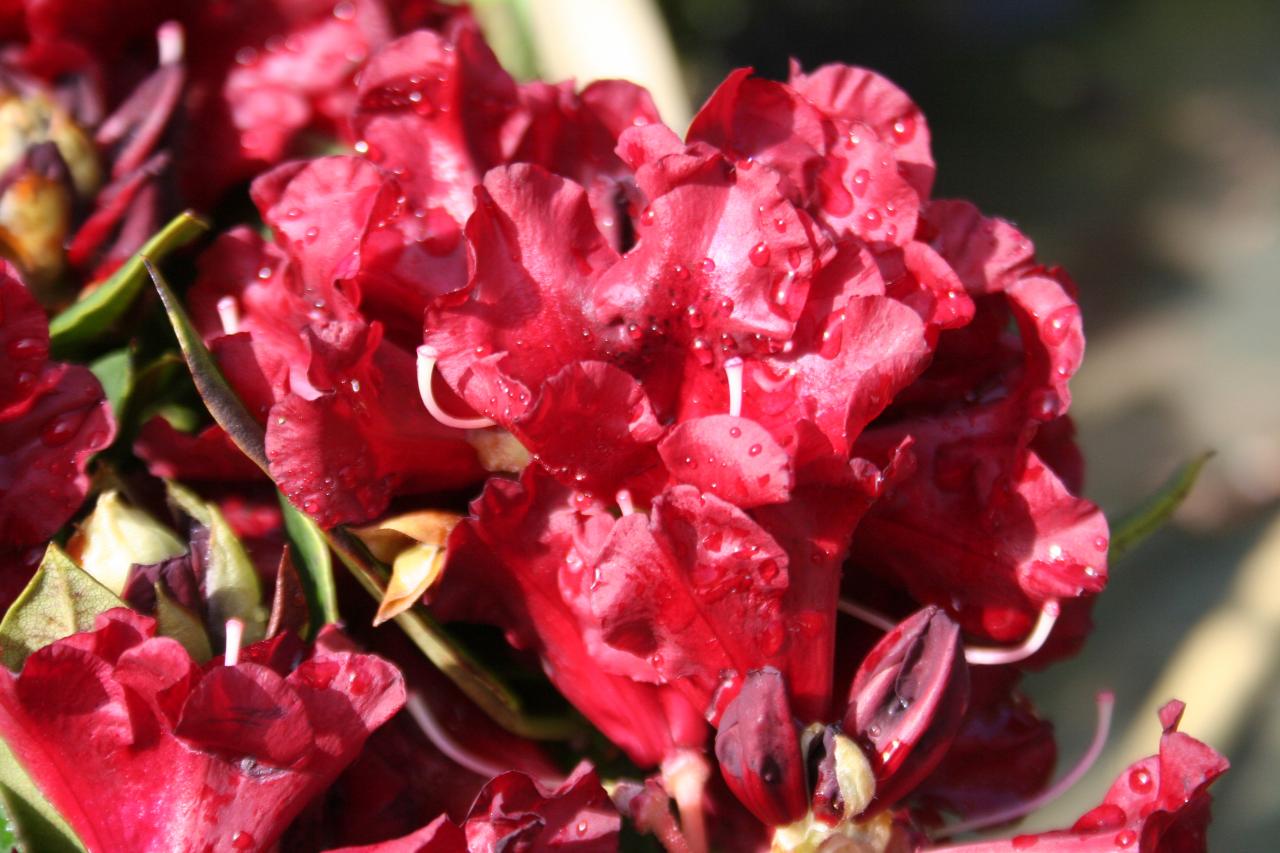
{"type": "Point", "coordinates": [314, 561]}
{"type": "Point", "coordinates": [62, 599]}
{"type": "Point", "coordinates": [34, 825]}
{"type": "Point", "coordinates": [1137, 525]}
{"type": "Point", "coordinates": [231, 583]}
{"type": "Point", "coordinates": [87, 318]}
{"type": "Point", "coordinates": [223, 403]}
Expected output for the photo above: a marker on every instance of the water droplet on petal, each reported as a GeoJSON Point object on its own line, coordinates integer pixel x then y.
{"type": "Point", "coordinates": [903, 129]}
{"type": "Point", "coordinates": [759, 254]}
{"type": "Point", "coordinates": [647, 216]}
{"type": "Point", "coordinates": [707, 265]}
{"type": "Point", "coordinates": [754, 450]}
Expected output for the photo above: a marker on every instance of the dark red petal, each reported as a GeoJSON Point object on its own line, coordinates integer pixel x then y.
{"type": "Point", "coordinates": [720, 251]}
{"type": "Point", "coordinates": [24, 341]}
{"type": "Point", "coordinates": [759, 751]}
{"type": "Point", "coordinates": [53, 417]}
{"type": "Point", "coordinates": [908, 699]}
{"type": "Point", "coordinates": [524, 562]}
{"type": "Point", "coordinates": [432, 109]}
{"type": "Point", "coordinates": [439, 836]}
{"type": "Point", "coordinates": [857, 94]}
{"type": "Point", "coordinates": [735, 459]}
{"type": "Point", "coordinates": [246, 713]}
{"type": "Point", "coordinates": [342, 455]}
{"type": "Point", "coordinates": [207, 455]}
{"type": "Point", "coordinates": [515, 812]}
{"type": "Point", "coordinates": [695, 592]}
{"type": "Point", "coordinates": [535, 252]}
{"type": "Point", "coordinates": [987, 254]}
{"type": "Point", "coordinates": [592, 427]}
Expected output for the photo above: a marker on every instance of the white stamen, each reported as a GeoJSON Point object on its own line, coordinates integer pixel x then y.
{"type": "Point", "coordinates": [733, 372]}
{"type": "Point", "coordinates": [169, 41]}
{"type": "Point", "coordinates": [235, 636]}
{"type": "Point", "coordinates": [624, 502]}
{"type": "Point", "coordinates": [866, 614]}
{"type": "Point", "coordinates": [994, 656]}
{"type": "Point", "coordinates": [426, 369]}
{"type": "Point", "coordinates": [1106, 701]}
{"type": "Point", "coordinates": [229, 314]}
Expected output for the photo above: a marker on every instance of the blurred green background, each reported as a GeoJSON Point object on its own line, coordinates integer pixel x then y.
{"type": "Point", "coordinates": [1138, 144]}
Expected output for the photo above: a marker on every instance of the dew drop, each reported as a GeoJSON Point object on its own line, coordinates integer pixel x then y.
{"type": "Point", "coordinates": [23, 349]}
{"type": "Point", "coordinates": [647, 216]}
{"type": "Point", "coordinates": [769, 570]}
{"type": "Point", "coordinates": [735, 432]}
{"type": "Point", "coordinates": [1101, 543]}
{"type": "Point", "coordinates": [696, 320]}
{"type": "Point", "coordinates": [1140, 780]}
{"type": "Point", "coordinates": [861, 179]}
{"type": "Point", "coordinates": [702, 352]}
{"type": "Point", "coordinates": [242, 841]}
{"type": "Point", "coordinates": [707, 265]}
{"type": "Point", "coordinates": [60, 429]}
{"type": "Point", "coordinates": [759, 254]}
{"type": "Point", "coordinates": [904, 129]}
{"type": "Point", "coordinates": [754, 450]}
{"type": "Point", "coordinates": [872, 218]}
{"type": "Point", "coordinates": [311, 234]}
{"type": "Point", "coordinates": [1024, 842]}
{"type": "Point", "coordinates": [681, 272]}
{"type": "Point", "coordinates": [1125, 838]}
{"type": "Point", "coordinates": [582, 827]}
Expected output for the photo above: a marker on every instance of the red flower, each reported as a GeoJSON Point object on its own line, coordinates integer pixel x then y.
{"type": "Point", "coordinates": [140, 749]}
{"type": "Point", "coordinates": [514, 812]}
{"type": "Point", "coordinates": [53, 417]}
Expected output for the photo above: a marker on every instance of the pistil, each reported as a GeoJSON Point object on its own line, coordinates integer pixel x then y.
{"type": "Point", "coordinates": [426, 371]}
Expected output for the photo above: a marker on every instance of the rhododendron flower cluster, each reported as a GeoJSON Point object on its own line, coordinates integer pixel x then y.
{"type": "Point", "coordinates": [716, 489]}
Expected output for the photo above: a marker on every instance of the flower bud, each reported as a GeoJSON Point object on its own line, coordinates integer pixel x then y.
{"type": "Point", "coordinates": [115, 536]}
{"type": "Point", "coordinates": [759, 750]}
{"type": "Point", "coordinates": [907, 701]}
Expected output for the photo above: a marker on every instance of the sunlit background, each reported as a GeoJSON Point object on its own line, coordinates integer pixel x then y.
{"type": "Point", "coordinates": [1138, 143]}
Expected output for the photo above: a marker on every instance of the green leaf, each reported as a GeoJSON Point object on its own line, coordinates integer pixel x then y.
{"type": "Point", "coordinates": [1140, 523]}
{"type": "Point", "coordinates": [87, 318]}
{"type": "Point", "coordinates": [62, 599]}
{"type": "Point", "coordinates": [115, 371]}
{"type": "Point", "coordinates": [231, 583]}
{"type": "Point", "coordinates": [314, 560]}
{"type": "Point", "coordinates": [223, 403]}
{"type": "Point", "coordinates": [175, 621]}
{"type": "Point", "coordinates": [33, 824]}
{"type": "Point", "coordinates": [481, 686]}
